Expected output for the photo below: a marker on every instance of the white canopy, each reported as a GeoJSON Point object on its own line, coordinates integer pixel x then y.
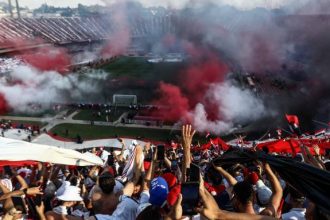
{"type": "Point", "coordinates": [15, 150]}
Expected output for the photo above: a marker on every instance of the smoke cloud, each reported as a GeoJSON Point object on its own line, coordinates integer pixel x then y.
{"type": "Point", "coordinates": [270, 40]}
{"type": "Point", "coordinates": [29, 86]}
{"type": "Point", "coordinates": [233, 105]}
{"type": "Point", "coordinates": [288, 43]}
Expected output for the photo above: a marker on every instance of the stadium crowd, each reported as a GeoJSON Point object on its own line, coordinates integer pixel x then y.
{"type": "Point", "coordinates": [177, 182]}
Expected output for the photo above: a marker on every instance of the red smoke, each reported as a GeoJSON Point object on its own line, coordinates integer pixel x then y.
{"type": "Point", "coordinates": [197, 78]}
{"type": "Point", "coordinates": [3, 104]}
{"type": "Point", "coordinates": [194, 83]}
{"type": "Point", "coordinates": [48, 58]}
{"type": "Point", "coordinates": [174, 102]}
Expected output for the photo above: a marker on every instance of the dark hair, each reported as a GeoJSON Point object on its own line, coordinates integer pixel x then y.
{"type": "Point", "coordinates": [150, 213]}
{"type": "Point", "coordinates": [107, 182]}
{"type": "Point", "coordinates": [243, 192]}
{"type": "Point", "coordinates": [73, 180]}
{"type": "Point", "coordinates": [296, 195]}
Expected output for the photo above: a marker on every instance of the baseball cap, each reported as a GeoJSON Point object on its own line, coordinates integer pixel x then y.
{"type": "Point", "coordinates": [173, 195]}
{"type": "Point", "coordinates": [170, 178]}
{"type": "Point", "coordinates": [158, 191]}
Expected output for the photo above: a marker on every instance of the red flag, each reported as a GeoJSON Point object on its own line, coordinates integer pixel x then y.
{"type": "Point", "coordinates": [292, 119]}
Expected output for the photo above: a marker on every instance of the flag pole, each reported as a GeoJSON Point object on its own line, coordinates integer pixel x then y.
{"type": "Point", "coordinates": [321, 123]}
{"type": "Point", "coordinates": [287, 131]}
{"type": "Point", "coordinates": [262, 137]}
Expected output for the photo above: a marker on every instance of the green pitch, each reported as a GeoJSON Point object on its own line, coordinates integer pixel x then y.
{"type": "Point", "coordinates": [139, 67]}
{"type": "Point", "coordinates": [99, 132]}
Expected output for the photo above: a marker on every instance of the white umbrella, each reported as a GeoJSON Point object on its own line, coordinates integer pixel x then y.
{"type": "Point", "coordinates": [15, 150]}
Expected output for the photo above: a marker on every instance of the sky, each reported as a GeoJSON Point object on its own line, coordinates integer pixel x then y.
{"type": "Point", "coordinates": [242, 4]}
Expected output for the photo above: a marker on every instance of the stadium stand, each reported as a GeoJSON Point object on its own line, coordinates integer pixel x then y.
{"type": "Point", "coordinates": [53, 30]}
{"type": "Point", "coordinates": [63, 30]}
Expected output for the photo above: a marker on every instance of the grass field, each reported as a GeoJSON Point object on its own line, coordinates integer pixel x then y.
{"type": "Point", "coordinates": [45, 113]}
{"type": "Point", "coordinates": [130, 66]}
{"type": "Point", "coordinates": [139, 67]}
{"type": "Point", "coordinates": [98, 132]}
{"type": "Point", "coordinates": [87, 115]}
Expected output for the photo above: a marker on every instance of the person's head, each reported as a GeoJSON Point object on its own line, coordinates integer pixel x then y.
{"type": "Point", "coordinates": [138, 186]}
{"type": "Point", "coordinates": [296, 198]}
{"type": "Point", "coordinates": [107, 182]}
{"type": "Point", "coordinates": [243, 195]}
{"type": "Point", "coordinates": [151, 212]}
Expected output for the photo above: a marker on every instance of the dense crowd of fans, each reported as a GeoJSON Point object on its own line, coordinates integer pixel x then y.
{"type": "Point", "coordinates": [149, 182]}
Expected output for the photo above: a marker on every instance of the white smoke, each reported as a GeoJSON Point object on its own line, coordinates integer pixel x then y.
{"type": "Point", "coordinates": [28, 85]}
{"type": "Point", "coordinates": [234, 105]}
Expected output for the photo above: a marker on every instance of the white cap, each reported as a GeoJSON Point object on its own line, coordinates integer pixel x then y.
{"type": "Point", "coordinates": [71, 193]}
{"type": "Point", "coordinates": [61, 190]}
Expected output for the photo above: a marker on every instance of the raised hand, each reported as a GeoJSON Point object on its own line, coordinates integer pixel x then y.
{"type": "Point", "coordinates": [187, 136]}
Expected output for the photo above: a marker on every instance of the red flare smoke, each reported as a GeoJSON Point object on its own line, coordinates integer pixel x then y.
{"type": "Point", "coordinates": [3, 104]}
{"type": "Point", "coordinates": [176, 104]}
{"type": "Point", "coordinates": [192, 89]}
{"type": "Point", "coordinates": [48, 58]}
{"type": "Point", "coordinates": [197, 78]}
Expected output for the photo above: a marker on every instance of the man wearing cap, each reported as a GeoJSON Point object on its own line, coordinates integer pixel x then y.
{"type": "Point", "coordinates": [68, 197]}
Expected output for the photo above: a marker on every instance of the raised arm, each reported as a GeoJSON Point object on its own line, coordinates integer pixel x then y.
{"type": "Point", "coordinates": [22, 182]}
{"type": "Point", "coordinates": [308, 157]}
{"type": "Point", "coordinates": [138, 164]}
{"type": "Point", "coordinates": [211, 210]}
{"type": "Point", "coordinates": [187, 136]}
{"type": "Point", "coordinates": [28, 191]}
{"type": "Point", "coordinates": [277, 192]}
{"type": "Point", "coordinates": [120, 157]}
{"type": "Point", "coordinates": [167, 162]}
{"type": "Point", "coordinates": [230, 179]}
